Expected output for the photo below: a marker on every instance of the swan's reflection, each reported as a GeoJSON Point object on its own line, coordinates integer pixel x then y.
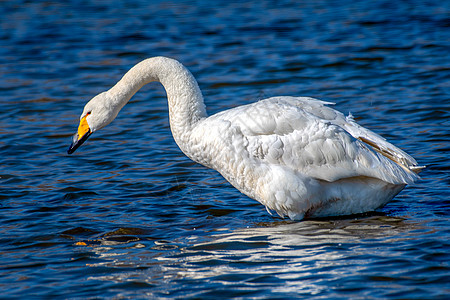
{"type": "Point", "coordinates": [283, 257]}
{"type": "Point", "coordinates": [287, 249]}
{"type": "Point", "coordinates": [304, 257]}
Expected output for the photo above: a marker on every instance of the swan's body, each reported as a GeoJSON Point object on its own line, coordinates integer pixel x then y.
{"type": "Point", "coordinates": [294, 155]}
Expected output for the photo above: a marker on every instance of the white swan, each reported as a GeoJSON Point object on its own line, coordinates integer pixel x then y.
{"type": "Point", "coordinates": [294, 155]}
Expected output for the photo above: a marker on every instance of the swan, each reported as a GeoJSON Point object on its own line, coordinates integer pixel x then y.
{"type": "Point", "coordinates": [295, 155]}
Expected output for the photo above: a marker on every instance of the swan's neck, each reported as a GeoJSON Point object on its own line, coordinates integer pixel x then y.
{"type": "Point", "coordinates": [186, 106]}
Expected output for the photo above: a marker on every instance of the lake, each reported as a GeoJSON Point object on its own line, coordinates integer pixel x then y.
{"type": "Point", "coordinates": [129, 216]}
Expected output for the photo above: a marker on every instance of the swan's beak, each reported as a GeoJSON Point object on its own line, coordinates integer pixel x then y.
{"type": "Point", "coordinates": [81, 136]}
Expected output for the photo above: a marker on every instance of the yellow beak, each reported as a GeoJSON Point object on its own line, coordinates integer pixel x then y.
{"type": "Point", "coordinates": [81, 136]}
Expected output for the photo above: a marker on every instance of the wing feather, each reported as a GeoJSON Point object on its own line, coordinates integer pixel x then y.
{"type": "Point", "coordinates": [306, 136]}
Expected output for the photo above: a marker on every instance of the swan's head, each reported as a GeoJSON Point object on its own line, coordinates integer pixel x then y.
{"type": "Point", "coordinates": [97, 113]}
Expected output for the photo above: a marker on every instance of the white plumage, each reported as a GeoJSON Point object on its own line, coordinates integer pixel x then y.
{"type": "Point", "coordinates": [295, 155]}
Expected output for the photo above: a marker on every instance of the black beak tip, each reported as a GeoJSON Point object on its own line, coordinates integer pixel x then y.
{"type": "Point", "coordinates": [71, 149]}
{"type": "Point", "coordinates": [77, 142]}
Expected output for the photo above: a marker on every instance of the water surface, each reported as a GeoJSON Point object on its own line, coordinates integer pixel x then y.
{"type": "Point", "coordinates": [130, 216]}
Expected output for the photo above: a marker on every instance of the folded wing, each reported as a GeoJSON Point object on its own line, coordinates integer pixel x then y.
{"type": "Point", "coordinates": [306, 136]}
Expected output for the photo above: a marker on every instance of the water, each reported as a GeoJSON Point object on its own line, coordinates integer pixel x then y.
{"type": "Point", "coordinates": [129, 216]}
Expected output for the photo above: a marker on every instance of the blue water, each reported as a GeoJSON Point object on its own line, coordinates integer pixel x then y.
{"type": "Point", "coordinates": [129, 216]}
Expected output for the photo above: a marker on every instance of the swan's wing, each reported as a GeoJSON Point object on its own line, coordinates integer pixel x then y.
{"type": "Point", "coordinates": [306, 136]}
{"type": "Point", "coordinates": [377, 142]}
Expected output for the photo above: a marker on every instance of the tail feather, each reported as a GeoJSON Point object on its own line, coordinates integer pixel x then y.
{"type": "Point", "coordinates": [393, 155]}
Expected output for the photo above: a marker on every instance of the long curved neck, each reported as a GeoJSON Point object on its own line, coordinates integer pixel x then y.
{"type": "Point", "coordinates": [186, 106]}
